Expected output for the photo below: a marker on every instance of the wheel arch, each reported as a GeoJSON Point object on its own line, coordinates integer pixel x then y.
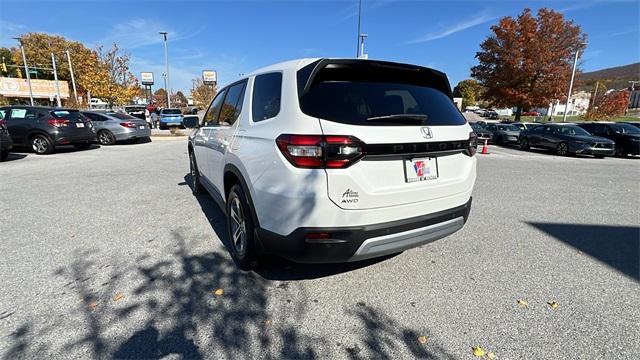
{"type": "Point", "coordinates": [232, 176]}
{"type": "Point", "coordinates": [34, 132]}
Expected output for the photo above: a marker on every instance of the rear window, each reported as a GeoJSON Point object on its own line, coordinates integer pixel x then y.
{"type": "Point", "coordinates": [123, 116]}
{"type": "Point", "coordinates": [381, 95]}
{"type": "Point", "coordinates": [68, 114]}
{"type": "Point", "coordinates": [171, 112]}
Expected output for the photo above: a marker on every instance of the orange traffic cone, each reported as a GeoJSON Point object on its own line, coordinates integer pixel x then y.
{"type": "Point", "coordinates": [485, 148]}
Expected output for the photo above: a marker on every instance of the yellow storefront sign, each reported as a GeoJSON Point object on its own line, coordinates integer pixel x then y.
{"type": "Point", "coordinates": [46, 89]}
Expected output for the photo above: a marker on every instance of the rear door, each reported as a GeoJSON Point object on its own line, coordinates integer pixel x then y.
{"type": "Point", "coordinates": [20, 122]}
{"type": "Point", "coordinates": [413, 134]}
{"type": "Point", "coordinates": [201, 138]}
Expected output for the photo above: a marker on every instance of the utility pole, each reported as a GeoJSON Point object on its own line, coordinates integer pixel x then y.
{"type": "Point", "coordinates": [55, 77]}
{"type": "Point", "coordinates": [633, 84]}
{"type": "Point", "coordinates": [573, 74]}
{"type": "Point", "coordinates": [358, 34]}
{"type": "Point", "coordinates": [26, 69]}
{"type": "Point", "coordinates": [166, 66]}
{"type": "Point", "coordinates": [362, 55]}
{"type": "Point", "coordinates": [73, 80]}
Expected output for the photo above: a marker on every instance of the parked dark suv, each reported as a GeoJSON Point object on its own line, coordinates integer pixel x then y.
{"type": "Point", "coordinates": [44, 128]}
{"type": "Point", "coordinates": [5, 139]}
{"type": "Point", "coordinates": [626, 137]}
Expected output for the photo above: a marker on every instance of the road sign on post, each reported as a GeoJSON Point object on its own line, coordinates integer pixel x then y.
{"type": "Point", "coordinates": [146, 78]}
{"type": "Point", "coordinates": [209, 77]}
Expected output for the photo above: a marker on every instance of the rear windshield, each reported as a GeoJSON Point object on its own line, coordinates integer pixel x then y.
{"type": "Point", "coordinates": [68, 114]}
{"type": "Point", "coordinates": [508, 128]}
{"type": "Point", "coordinates": [171, 112]}
{"type": "Point", "coordinates": [123, 116]}
{"type": "Point", "coordinates": [374, 98]}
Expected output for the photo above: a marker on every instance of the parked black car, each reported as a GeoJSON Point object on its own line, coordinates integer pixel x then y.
{"type": "Point", "coordinates": [44, 128]}
{"type": "Point", "coordinates": [5, 139]}
{"type": "Point", "coordinates": [626, 137]}
{"type": "Point", "coordinates": [634, 123]}
{"type": "Point", "coordinates": [566, 139]}
{"type": "Point", "coordinates": [480, 131]}
{"type": "Point", "coordinates": [503, 133]}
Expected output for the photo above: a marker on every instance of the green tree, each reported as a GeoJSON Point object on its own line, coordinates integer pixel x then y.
{"type": "Point", "coordinates": [470, 91]}
{"type": "Point", "coordinates": [7, 59]}
{"type": "Point", "coordinates": [527, 61]}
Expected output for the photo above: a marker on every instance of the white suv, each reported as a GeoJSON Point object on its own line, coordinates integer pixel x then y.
{"type": "Point", "coordinates": [333, 160]}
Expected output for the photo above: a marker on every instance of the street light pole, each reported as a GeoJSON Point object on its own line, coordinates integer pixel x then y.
{"type": "Point", "coordinates": [55, 77]}
{"type": "Point", "coordinates": [362, 37]}
{"type": "Point", "coordinates": [166, 66]}
{"type": "Point", "coordinates": [26, 69]}
{"type": "Point", "coordinates": [73, 80]}
{"type": "Point", "coordinates": [573, 74]}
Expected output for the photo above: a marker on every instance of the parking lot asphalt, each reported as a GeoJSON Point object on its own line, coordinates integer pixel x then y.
{"type": "Point", "coordinates": [105, 253]}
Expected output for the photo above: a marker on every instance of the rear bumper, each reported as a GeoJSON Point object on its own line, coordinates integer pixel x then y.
{"type": "Point", "coordinates": [75, 137]}
{"type": "Point", "coordinates": [364, 242]}
{"type": "Point", "coordinates": [171, 121]}
{"type": "Point", "coordinates": [6, 143]}
{"type": "Point", "coordinates": [129, 134]}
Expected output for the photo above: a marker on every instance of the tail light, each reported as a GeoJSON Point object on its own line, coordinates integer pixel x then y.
{"type": "Point", "coordinates": [3, 124]}
{"type": "Point", "coordinates": [58, 122]}
{"type": "Point", "coordinates": [320, 151]}
{"type": "Point", "coordinates": [128, 124]}
{"type": "Point", "coordinates": [472, 147]}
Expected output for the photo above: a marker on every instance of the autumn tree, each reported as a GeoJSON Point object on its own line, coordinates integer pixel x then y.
{"type": "Point", "coordinates": [470, 91]}
{"type": "Point", "coordinates": [202, 94]}
{"type": "Point", "coordinates": [120, 85]}
{"type": "Point", "coordinates": [160, 98]}
{"type": "Point", "coordinates": [609, 105]}
{"type": "Point", "coordinates": [181, 98]}
{"type": "Point", "coordinates": [7, 60]}
{"type": "Point", "coordinates": [527, 61]}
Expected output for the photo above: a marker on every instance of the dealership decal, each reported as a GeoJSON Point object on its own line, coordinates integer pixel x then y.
{"type": "Point", "coordinates": [349, 197]}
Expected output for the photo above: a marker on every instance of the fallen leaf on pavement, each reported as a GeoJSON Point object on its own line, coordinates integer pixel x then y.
{"type": "Point", "coordinates": [92, 305]}
{"type": "Point", "coordinates": [478, 351]}
{"type": "Point", "coordinates": [118, 297]}
{"type": "Point", "coordinates": [267, 322]}
{"type": "Point", "coordinates": [219, 292]}
{"type": "Point", "coordinates": [553, 304]}
{"type": "Point", "coordinates": [422, 339]}
{"type": "Point", "coordinates": [491, 355]}
{"type": "Point", "coordinates": [522, 303]}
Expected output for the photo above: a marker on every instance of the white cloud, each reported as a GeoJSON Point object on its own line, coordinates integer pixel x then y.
{"type": "Point", "coordinates": [9, 30]}
{"type": "Point", "coordinates": [461, 26]}
{"type": "Point", "coordinates": [137, 33]}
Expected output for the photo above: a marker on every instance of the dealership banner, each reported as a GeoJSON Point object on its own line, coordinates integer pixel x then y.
{"type": "Point", "coordinates": [46, 89]}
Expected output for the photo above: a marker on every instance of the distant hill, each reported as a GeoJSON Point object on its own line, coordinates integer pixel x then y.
{"type": "Point", "coordinates": [613, 78]}
{"type": "Point", "coordinates": [631, 71]}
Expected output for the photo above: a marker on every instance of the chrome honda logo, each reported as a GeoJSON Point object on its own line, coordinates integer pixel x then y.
{"type": "Point", "coordinates": [426, 132]}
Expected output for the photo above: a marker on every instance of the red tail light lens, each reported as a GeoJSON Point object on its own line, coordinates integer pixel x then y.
{"type": "Point", "coordinates": [319, 151]}
{"type": "Point", "coordinates": [58, 122]}
{"type": "Point", "coordinates": [3, 124]}
{"type": "Point", "coordinates": [128, 124]}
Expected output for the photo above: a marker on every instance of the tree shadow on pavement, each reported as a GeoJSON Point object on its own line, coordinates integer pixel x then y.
{"type": "Point", "coordinates": [384, 338]}
{"type": "Point", "coordinates": [615, 246]}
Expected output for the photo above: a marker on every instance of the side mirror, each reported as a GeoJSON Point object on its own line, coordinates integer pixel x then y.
{"type": "Point", "coordinates": [190, 121]}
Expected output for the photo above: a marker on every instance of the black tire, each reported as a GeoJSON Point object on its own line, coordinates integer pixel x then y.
{"type": "Point", "coordinates": [4, 155]}
{"type": "Point", "coordinates": [162, 127]}
{"type": "Point", "coordinates": [599, 156]}
{"type": "Point", "coordinates": [41, 144]}
{"type": "Point", "coordinates": [562, 149]}
{"type": "Point", "coordinates": [82, 146]}
{"type": "Point", "coordinates": [524, 144]}
{"type": "Point", "coordinates": [196, 186]}
{"type": "Point", "coordinates": [620, 152]}
{"type": "Point", "coordinates": [499, 141]}
{"type": "Point", "coordinates": [105, 137]}
{"type": "Point", "coordinates": [241, 230]}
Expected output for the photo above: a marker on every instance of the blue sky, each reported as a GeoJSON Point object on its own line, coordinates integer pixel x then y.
{"type": "Point", "coordinates": [235, 37]}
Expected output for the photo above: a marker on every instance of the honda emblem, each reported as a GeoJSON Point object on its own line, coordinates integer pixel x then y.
{"type": "Point", "coordinates": [426, 132]}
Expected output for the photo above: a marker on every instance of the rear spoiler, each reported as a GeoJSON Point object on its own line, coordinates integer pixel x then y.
{"type": "Point", "coordinates": [355, 69]}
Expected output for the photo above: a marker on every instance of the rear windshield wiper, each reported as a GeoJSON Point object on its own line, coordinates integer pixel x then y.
{"type": "Point", "coordinates": [409, 118]}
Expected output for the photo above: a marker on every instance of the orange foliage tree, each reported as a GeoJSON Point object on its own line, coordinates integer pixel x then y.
{"type": "Point", "coordinates": [609, 105]}
{"type": "Point", "coordinates": [527, 61]}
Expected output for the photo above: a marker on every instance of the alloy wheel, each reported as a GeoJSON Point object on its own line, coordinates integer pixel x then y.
{"type": "Point", "coordinates": [562, 149]}
{"type": "Point", "coordinates": [39, 144]}
{"type": "Point", "coordinates": [104, 138]}
{"type": "Point", "coordinates": [238, 227]}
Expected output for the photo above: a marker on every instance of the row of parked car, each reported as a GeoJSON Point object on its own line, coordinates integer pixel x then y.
{"type": "Point", "coordinates": [45, 128]}
{"type": "Point", "coordinates": [590, 138]}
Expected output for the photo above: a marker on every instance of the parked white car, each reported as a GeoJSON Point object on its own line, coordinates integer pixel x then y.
{"type": "Point", "coordinates": [334, 160]}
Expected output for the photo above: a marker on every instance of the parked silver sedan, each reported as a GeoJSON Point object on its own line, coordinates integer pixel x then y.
{"type": "Point", "coordinates": [112, 126]}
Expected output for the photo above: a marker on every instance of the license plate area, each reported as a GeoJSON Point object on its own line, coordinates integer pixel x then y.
{"type": "Point", "coordinates": [420, 169]}
{"type": "Point", "coordinates": [80, 125]}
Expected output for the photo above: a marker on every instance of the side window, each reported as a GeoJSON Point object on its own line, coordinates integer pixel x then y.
{"type": "Point", "coordinates": [2, 112]}
{"type": "Point", "coordinates": [23, 114]}
{"type": "Point", "coordinates": [211, 117]}
{"type": "Point", "coordinates": [491, 128]}
{"type": "Point", "coordinates": [232, 104]}
{"type": "Point", "coordinates": [599, 130]}
{"type": "Point", "coordinates": [94, 117]}
{"type": "Point", "coordinates": [267, 89]}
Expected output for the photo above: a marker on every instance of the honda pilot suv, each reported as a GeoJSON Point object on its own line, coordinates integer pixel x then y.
{"type": "Point", "coordinates": [335, 160]}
